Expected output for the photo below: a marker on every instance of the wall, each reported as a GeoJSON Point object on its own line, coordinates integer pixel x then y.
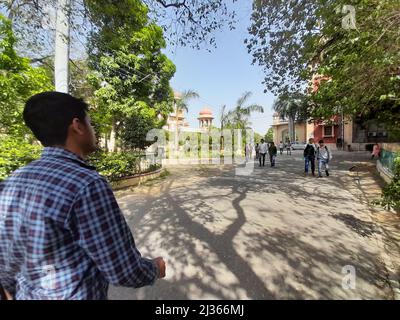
{"type": "Point", "coordinates": [300, 130]}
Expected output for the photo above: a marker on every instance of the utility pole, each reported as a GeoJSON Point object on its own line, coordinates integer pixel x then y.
{"type": "Point", "coordinates": [61, 59]}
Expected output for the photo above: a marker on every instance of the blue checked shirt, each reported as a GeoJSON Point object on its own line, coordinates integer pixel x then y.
{"type": "Point", "coordinates": [62, 234]}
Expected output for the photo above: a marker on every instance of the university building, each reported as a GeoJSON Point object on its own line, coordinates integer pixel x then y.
{"type": "Point", "coordinates": [356, 132]}
{"type": "Point", "coordinates": [205, 121]}
{"type": "Point", "coordinates": [347, 133]}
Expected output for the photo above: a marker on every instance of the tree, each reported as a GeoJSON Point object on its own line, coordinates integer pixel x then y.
{"type": "Point", "coordinates": [192, 22]}
{"type": "Point", "coordinates": [18, 81]}
{"type": "Point", "coordinates": [294, 107]}
{"type": "Point", "coordinates": [293, 41]}
{"type": "Point", "coordinates": [279, 34]}
{"type": "Point", "coordinates": [131, 74]}
{"type": "Point", "coordinates": [223, 117]}
{"type": "Point", "coordinates": [238, 118]}
{"type": "Point", "coordinates": [186, 23]}
{"type": "Point", "coordinates": [391, 193]}
{"type": "Point", "coordinates": [363, 65]}
{"type": "Point", "coordinates": [181, 101]}
{"type": "Point", "coordinates": [269, 136]}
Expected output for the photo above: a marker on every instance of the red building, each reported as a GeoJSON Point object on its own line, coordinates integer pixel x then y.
{"type": "Point", "coordinates": [330, 131]}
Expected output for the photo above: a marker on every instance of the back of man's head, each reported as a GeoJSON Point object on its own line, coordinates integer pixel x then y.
{"type": "Point", "coordinates": [49, 115]}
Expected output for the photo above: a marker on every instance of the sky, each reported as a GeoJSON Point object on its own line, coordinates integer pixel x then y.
{"type": "Point", "coordinates": [222, 76]}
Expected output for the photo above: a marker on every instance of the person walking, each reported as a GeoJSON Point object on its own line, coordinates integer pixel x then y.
{"type": "Point", "coordinates": [281, 146]}
{"type": "Point", "coordinates": [288, 148]}
{"type": "Point", "coordinates": [62, 233]}
{"type": "Point", "coordinates": [263, 152]}
{"type": "Point", "coordinates": [376, 151]}
{"type": "Point", "coordinates": [273, 152]}
{"type": "Point", "coordinates": [324, 155]}
{"type": "Point", "coordinates": [249, 152]}
{"type": "Point", "coordinates": [257, 151]}
{"type": "Point", "coordinates": [309, 157]}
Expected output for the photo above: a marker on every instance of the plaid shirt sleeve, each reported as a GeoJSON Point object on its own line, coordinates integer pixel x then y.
{"type": "Point", "coordinates": [7, 283]}
{"type": "Point", "coordinates": [104, 234]}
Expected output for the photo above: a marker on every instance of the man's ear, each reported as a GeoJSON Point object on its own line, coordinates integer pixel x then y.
{"type": "Point", "coordinates": [78, 127]}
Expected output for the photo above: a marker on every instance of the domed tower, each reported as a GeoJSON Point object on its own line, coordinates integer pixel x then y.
{"type": "Point", "coordinates": [205, 118]}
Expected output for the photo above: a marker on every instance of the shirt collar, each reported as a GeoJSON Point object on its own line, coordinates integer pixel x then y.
{"type": "Point", "coordinates": [58, 152]}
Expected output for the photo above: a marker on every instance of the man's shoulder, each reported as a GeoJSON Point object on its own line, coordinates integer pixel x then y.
{"type": "Point", "coordinates": [59, 173]}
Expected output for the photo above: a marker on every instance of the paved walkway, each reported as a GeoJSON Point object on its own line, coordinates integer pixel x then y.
{"type": "Point", "coordinates": [272, 235]}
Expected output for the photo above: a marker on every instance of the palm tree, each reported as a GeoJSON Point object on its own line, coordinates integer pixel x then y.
{"type": "Point", "coordinates": [238, 117]}
{"type": "Point", "coordinates": [181, 101]}
{"type": "Point", "coordinates": [291, 106]}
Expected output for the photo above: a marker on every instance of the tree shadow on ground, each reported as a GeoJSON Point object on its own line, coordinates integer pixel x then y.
{"type": "Point", "coordinates": [222, 251]}
{"type": "Point", "coordinates": [363, 228]}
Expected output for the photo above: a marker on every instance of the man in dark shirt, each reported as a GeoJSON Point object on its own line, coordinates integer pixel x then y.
{"type": "Point", "coordinates": [62, 233]}
{"type": "Point", "coordinates": [273, 152]}
{"type": "Point", "coordinates": [309, 157]}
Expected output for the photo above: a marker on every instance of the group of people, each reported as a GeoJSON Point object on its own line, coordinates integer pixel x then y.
{"type": "Point", "coordinates": [313, 153]}
{"type": "Point", "coordinates": [319, 152]}
{"type": "Point", "coordinates": [285, 146]}
{"type": "Point", "coordinates": [264, 148]}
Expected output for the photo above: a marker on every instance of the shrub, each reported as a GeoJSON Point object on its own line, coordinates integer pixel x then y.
{"type": "Point", "coordinates": [117, 165]}
{"type": "Point", "coordinates": [391, 192]}
{"type": "Point", "coordinates": [16, 153]}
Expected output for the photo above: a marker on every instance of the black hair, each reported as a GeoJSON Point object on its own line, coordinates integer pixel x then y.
{"type": "Point", "coordinates": [321, 141]}
{"type": "Point", "coordinates": [49, 114]}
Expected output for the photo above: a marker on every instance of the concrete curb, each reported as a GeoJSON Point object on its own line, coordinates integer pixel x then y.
{"type": "Point", "coordinates": [389, 265]}
{"type": "Point", "coordinates": [136, 180]}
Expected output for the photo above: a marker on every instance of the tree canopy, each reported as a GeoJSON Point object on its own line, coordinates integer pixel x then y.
{"type": "Point", "coordinates": [238, 117]}
{"type": "Point", "coordinates": [356, 47]}
{"type": "Point", "coordinates": [130, 73]}
{"type": "Point", "coordinates": [18, 81]}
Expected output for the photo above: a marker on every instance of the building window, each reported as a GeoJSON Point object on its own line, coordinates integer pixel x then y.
{"type": "Point", "coordinates": [328, 131]}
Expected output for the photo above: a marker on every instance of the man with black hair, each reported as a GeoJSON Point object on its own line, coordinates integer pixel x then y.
{"type": "Point", "coordinates": [309, 157]}
{"type": "Point", "coordinates": [62, 233]}
{"type": "Point", "coordinates": [273, 152]}
{"type": "Point", "coordinates": [263, 152]}
{"type": "Point", "coordinates": [324, 155]}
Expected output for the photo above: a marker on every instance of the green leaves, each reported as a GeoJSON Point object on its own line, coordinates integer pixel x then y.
{"type": "Point", "coordinates": [18, 81]}
{"type": "Point", "coordinates": [293, 43]}
{"type": "Point", "coordinates": [391, 192]}
{"type": "Point", "coordinates": [238, 118]}
{"type": "Point", "coordinates": [116, 165]}
{"type": "Point", "coordinates": [130, 73]}
{"type": "Point", "coordinates": [15, 153]}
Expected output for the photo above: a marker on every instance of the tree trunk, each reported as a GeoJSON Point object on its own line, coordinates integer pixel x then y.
{"type": "Point", "coordinates": [176, 143]}
{"type": "Point", "coordinates": [113, 136]}
{"type": "Point", "coordinates": [291, 129]}
{"type": "Point", "coordinates": [106, 141]}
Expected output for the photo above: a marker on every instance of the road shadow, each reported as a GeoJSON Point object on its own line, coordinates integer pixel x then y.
{"type": "Point", "coordinates": [220, 243]}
